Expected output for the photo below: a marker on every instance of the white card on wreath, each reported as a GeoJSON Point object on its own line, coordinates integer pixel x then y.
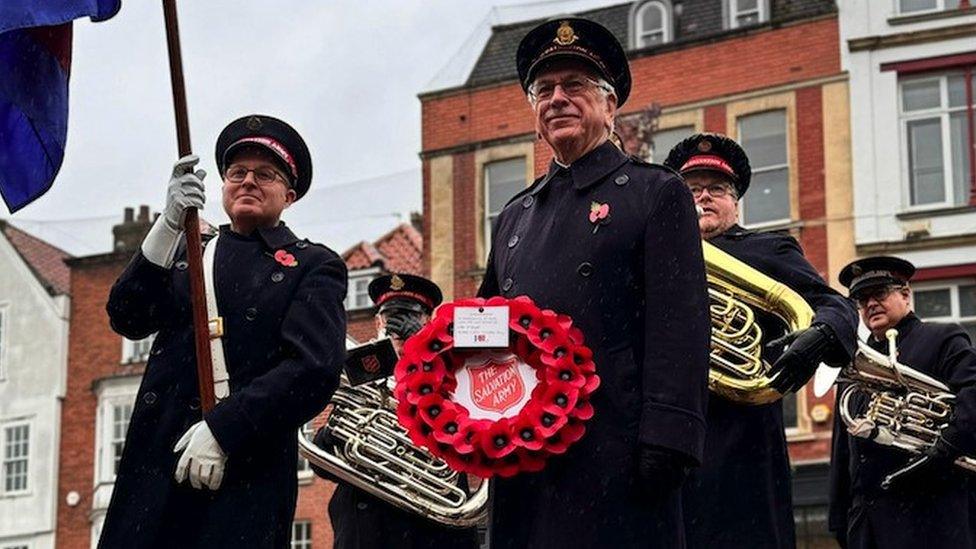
{"type": "Point", "coordinates": [481, 326]}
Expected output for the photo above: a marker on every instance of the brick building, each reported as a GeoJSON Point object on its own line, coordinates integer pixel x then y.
{"type": "Point", "coordinates": [766, 72]}
{"type": "Point", "coordinates": [104, 371]}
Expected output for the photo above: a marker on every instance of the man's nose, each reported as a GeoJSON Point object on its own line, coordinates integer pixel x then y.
{"type": "Point", "coordinates": [559, 97]}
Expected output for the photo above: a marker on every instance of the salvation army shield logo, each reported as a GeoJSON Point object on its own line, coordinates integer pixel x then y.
{"type": "Point", "coordinates": [496, 384]}
{"type": "Point", "coordinates": [496, 410]}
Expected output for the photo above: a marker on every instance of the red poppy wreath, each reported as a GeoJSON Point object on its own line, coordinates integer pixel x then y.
{"type": "Point", "coordinates": [497, 411]}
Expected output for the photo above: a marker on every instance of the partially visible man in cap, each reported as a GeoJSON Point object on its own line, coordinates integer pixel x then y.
{"type": "Point", "coordinates": [935, 505]}
{"type": "Point", "coordinates": [741, 495]}
{"type": "Point", "coordinates": [359, 520]}
{"type": "Point", "coordinates": [612, 242]}
{"type": "Point", "coordinates": [227, 477]}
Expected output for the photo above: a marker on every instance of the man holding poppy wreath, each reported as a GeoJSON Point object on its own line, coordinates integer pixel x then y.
{"type": "Point", "coordinates": [612, 242]}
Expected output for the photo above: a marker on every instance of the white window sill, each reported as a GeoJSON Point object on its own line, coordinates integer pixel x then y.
{"type": "Point", "coordinates": [937, 210]}
{"type": "Point", "coordinates": [931, 15]}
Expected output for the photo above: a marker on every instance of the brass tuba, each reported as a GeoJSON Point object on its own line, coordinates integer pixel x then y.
{"type": "Point", "coordinates": [895, 405]}
{"type": "Point", "coordinates": [735, 291]}
{"type": "Point", "coordinates": [373, 453]}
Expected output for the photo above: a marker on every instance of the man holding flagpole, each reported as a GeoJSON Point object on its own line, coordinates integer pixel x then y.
{"type": "Point", "coordinates": [226, 477]}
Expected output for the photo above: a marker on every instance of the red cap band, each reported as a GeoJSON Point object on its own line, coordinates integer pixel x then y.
{"type": "Point", "coordinates": [275, 147]}
{"type": "Point", "coordinates": [710, 162]}
{"type": "Point", "coordinates": [411, 295]}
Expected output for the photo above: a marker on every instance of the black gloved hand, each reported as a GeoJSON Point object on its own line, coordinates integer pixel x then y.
{"type": "Point", "coordinates": [324, 440]}
{"type": "Point", "coordinates": [805, 350]}
{"type": "Point", "coordinates": [946, 449]}
{"type": "Point", "coordinates": [403, 325]}
{"type": "Point", "coordinates": [660, 470]}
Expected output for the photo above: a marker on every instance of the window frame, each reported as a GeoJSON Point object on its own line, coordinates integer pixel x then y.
{"type": "Point", "coordinates": [762, 10]}
{"type": "Point", "coordinates": [28, 485]}
{"type": "Point", "coordinates": [304, 467]}
{"type": "Point", "coordinates": [660, 159]}
{"type": "Point", "coordinates": [486, 193]}
{"type": "Point", "coordinates": [356, 276]}
{"type": "Point", "coordinates": [130, 346]}
{"type": "Point", "coordinates": [953, 285]}
{"type": "Point", "coordinates": [940, 5]}
{"type": "Point", "coordinates": [637, 31]}
{"type": "Point", "coordinates": [944, 114]}
{"type": "Point", "coordinates": [788, 166]}
{"type": "Point", "coordinates": [108, 398]}
{"type": "Point", "coordinates": [296, 527]}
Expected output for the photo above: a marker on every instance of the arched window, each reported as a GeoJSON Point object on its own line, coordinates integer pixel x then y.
{"type": "Point", "coordinates": [650, 23]}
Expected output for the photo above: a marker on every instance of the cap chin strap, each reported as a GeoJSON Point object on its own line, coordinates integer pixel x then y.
{"type": "Point", "coordinates": [221, 378]}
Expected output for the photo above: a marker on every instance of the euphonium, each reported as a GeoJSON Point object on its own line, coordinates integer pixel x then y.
{"type": "Point", "coordinates": [895, 405]}
{"type": "Point", "coordinates": [373, 453]}
{"type": "Point", "coordinates": [735, 290]}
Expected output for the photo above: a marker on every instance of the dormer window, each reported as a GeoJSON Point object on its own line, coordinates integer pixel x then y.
{"type": "Point", "coordinates": [744, 13]}
{"type": "Point", "coordinates": [650, 23]}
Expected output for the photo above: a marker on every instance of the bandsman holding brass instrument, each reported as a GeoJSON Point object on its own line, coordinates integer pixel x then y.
{"type": "Point", "coordinates": [360, 520]}
{"type": "Point", "coordinates": [612, 242]}
{"type": "Point", "coordinates": [741, 495]}
{"type": "Point", "coordinates": [932, 505]}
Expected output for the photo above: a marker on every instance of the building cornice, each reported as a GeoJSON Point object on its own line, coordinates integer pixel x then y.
{"type": "Point", "coordinates": [879, 42]}
{"type": "Point", "coordinates": [895, 246]}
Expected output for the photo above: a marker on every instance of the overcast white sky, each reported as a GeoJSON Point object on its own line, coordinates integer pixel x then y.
{"type": "Point", "coordinates": [346, 73]}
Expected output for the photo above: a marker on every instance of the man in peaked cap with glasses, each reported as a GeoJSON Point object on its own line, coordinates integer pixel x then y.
{"type": "Point", "coordinates": [934, 505]}
{"type": "Point", "coordinates": [359, 520]}
{"type": "Point", "coordinates": [226, 477]}
{"type": "Point", "coordinates": [741, 495]}
{"type": "Point", "coordinates": [611, 241]}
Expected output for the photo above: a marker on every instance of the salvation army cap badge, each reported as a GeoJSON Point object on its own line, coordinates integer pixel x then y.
{"type": "Point", "coordinates": [565, 35]}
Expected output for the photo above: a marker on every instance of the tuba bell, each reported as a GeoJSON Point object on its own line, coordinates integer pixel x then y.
{"type": "Point", "coordinates": [895, 405]}
{"type": "Point", "coordinates": [735, 291]}
{"type": "Point", "coordinates": [372, 452]}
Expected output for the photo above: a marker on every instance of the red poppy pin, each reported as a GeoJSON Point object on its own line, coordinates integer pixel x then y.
{"type": "Point", "coordinates": [285, 258]}
{"type": "Point", "coordinates": [599, 215]}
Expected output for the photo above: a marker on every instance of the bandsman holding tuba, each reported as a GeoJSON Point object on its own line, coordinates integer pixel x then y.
{"type": "Point", "coordinates": [934, 505]}
{"type": "Point", "coordinates": [741, 495]}
{"type": "Point", "coordinates": [359, 520]}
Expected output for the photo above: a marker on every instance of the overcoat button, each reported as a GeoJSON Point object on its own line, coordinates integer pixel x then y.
{"type": "Point", "coordinates": [585, 268]}
{"type": "Point", "coordinates": [250, 313]}
{"type": "Point", "coordinates": [362, 506]}
{"type": "Point", "coordinates": [507, 284]}
{"type": "Point", "coordinates": [195, 403]}
{"type": "Point", "coordinates": [301, 245]}
{"type": "Point", "coordinates": [622, 180]}
{"type": "Point", "coordinates": [156, 352]}
{"type": "Point", "coordinates": [149, 398]}
{"type": "Point", "coordinates": [527, 201]}
{"type": "Point", "coordinates": [512, 242]}
{"type": "Point", "coordinates": [182, 265]}
{"type": "Point", "coordinates": [277, 276]}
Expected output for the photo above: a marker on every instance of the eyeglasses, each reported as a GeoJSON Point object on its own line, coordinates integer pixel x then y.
{"type": "Point", "coordinates": [572, 87]}
{"type": "Point", "coordinates": [715, 190]}
{"type": "Point", "coordinates": [877, 294]}
{"type": "Point", "coordinates": [262, 176]}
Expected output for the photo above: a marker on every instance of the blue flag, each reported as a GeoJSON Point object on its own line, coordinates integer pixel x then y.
{"type": "Point", "coordinates": [35, 61]}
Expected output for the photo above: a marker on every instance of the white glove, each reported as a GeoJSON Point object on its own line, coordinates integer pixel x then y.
{"type": "Point", "coordinates": [202, 458]}
{"type": "Point", "coordinates": [185, 191]}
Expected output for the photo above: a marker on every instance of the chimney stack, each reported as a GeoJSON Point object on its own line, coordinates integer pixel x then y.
{"type": "Point", "coordinates": [128, 235]}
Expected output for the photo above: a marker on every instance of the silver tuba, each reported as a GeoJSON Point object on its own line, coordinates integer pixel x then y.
{"type": "Point", "coordinates": [895, 405]}
{"type": "Point", "coordinates": [374, 453]}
